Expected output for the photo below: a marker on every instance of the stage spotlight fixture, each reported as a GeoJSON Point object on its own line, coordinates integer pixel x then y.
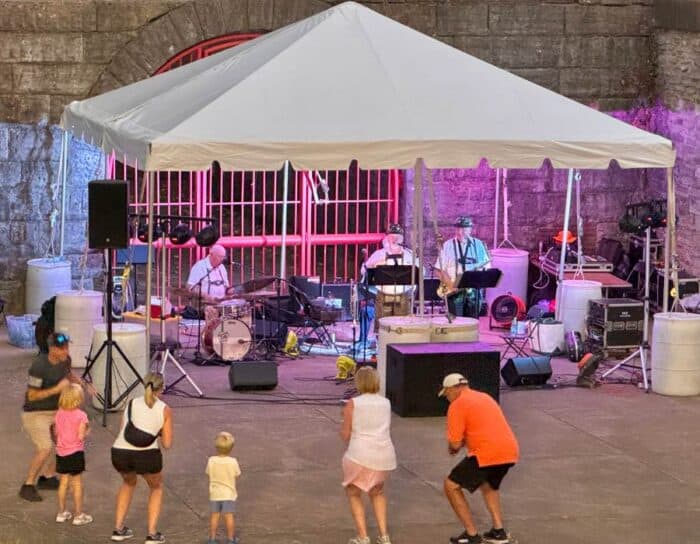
{"type": "Point", "coordinates": [142, 232]}
{"type": "Point", "coordinates": [180, 234]}
{"type": "Point", "coordinates": [207, 236]}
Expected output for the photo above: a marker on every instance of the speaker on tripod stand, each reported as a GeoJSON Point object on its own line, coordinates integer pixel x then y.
{"type": "Point", "coordinates": [108, 229]}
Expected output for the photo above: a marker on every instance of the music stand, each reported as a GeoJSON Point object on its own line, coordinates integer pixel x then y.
{"type": "Point", "coordinates": [479, 279]}
{"type": "Point", "coordinates": [394, 275]}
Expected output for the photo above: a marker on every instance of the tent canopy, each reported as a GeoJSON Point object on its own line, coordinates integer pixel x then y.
{"type": "Point", "coordinates": [349, 83]}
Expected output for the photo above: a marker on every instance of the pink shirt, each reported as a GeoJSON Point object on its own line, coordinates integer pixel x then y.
{"type": "Point", "coordinates": [67, 425]}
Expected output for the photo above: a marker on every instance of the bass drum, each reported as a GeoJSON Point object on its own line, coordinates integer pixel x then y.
{"type": "Point", "coordinates": [230, 339]}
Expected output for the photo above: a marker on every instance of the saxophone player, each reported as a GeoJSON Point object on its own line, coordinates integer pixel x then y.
{"type": "Point", "coordinates": [459, 254]}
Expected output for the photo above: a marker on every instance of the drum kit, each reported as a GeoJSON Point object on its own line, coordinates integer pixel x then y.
{"type": "Point", "coordinates": [229, 330]}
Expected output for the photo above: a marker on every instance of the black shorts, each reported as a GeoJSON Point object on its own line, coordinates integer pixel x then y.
{"type": "Point", "coordinates": [71, 464]}
{"type": "Point", "coordinates": [140, 462]}
{"type": "Point", "coordinates": [469, 475]}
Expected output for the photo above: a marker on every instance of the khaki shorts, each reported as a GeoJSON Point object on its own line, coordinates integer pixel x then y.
{"type": "Point", "coordinates": [38, 426]}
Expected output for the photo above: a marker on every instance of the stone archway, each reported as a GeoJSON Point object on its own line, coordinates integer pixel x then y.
{"type": "Point", "coordinates": [192, 23]}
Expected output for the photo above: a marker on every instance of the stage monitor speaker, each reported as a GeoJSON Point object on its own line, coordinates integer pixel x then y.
{"type": "Point", "coordinates": [267, 328]}
{"type": "Point", "coordinates": [414, 374]}
{"type": "Point", "coordinates": [534, 370]}
{"type": "Point", "coordinates": [108, 216]}
{"type": "Point", "coordinates": [252, 375]}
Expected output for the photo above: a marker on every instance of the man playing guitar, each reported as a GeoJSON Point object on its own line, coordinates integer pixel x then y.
{"type": "Point", "coordinates": [460, 254]}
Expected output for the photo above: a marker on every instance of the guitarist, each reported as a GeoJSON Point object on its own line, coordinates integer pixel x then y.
{"type": "Point", "coordinates": [460, 254]}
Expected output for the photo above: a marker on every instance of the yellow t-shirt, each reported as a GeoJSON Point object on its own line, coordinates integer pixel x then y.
{"type": "Point", "coordinates": [223, 471]}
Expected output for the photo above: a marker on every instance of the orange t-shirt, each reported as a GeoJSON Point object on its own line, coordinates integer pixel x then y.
{"type": "Point", "coordinates": [478, 420]}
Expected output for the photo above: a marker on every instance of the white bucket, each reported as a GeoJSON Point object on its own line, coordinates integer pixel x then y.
{"type": "Point", "coordinates": [45, 278]}
{"type": "Point", "coordinates": [572, 303]}
{"type": "Point", "coordinates": [398, 330]}
{"type": "Point", "coordinates": [76, 314]}
{"type": "Point", "coordinates": [546, 338]}
{"type": "Point", "coordinates": [675, 346]}
{"type": "Point", "coordinates": [513, 263]}
{"type": "Point", "coordinates": [131, 338]}
{"type": "Point", "coordinates": [462, 329]}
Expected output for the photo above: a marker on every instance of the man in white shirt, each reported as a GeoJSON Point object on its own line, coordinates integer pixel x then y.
{"type": "Point", "coordinates": [209, 277]}
{"type": "Point", "coordinates": [459, 254]}
{"type": "Point", "coordinates": [391, 299]}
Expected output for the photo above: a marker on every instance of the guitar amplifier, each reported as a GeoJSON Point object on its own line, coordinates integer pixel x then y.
{"type": "Point", "coordinates": [615, 322]}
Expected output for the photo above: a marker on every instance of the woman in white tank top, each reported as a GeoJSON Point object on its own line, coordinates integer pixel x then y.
{"type": "Point", "coordinates": [149, 415]}
{"type": "Point", "coordinates": [370, 454]}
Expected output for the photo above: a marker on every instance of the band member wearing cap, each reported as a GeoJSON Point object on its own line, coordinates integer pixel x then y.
{"type": "Point", "coordinates": [459, 254]}
{"type": "Point", "coordinates": [208, 277]}
{"type": "Point", "coordinates": [391, 299]}
{"type": "Point", "coordinates": [476, 422]}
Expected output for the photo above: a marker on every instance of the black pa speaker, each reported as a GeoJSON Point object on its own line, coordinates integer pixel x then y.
{"type": "Point", "coordinates": [414, 374]}
{"type": "Point", "coordinates": [252, 375]}
{"type": "Point", "coordinates": [108, 216]}
{"type": "Point", "coordinates": [534, 370]}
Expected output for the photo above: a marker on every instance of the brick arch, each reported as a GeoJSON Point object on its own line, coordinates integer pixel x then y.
{"type": "Point", "coordinates": [194, 22]}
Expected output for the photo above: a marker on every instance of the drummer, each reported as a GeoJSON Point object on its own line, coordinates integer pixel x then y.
{"type": "Point", "coordinates": [209, 278]}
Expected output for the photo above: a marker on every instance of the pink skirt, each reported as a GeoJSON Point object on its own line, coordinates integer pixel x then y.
{"type": "Point", "coordinates": [362, 477]}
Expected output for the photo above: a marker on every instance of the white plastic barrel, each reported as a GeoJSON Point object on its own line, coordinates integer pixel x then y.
{"type": "Point", "coordinates": [513, 263]}
{"type": "Point", "coordinates": [76, 314]}
{"type": "Point", "coordinates": [131, 338]}
{"type": "Point", "coordinates": [45, 278]}
{"type": "Point", "coordinates": [572, 303]}
{"type": "Point", "coordinates": [461, 329]}
{"type": "Point", "coordinates": [675, 345]}
{"type": "Point", "coordinates": [398, 330]}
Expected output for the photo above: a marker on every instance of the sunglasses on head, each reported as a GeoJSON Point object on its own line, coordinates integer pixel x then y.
{"type": "Point", "coordinates": [61, 339]}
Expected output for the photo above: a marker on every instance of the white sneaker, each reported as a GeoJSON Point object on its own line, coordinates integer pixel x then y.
{"type": "Point", "coordinates": [359, 540]}
{"type": "Point", "coordinates": [383, 540]}
{"type": "Point", "coordinates": [82, 519]}
{"type": "Point", "coordinates": [62, 517]}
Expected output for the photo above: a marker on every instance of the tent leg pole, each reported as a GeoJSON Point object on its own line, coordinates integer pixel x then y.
{"type": "Point", "coordinates": [150, 178]}
{"type": "Point", "coordinates": [567, 213]}
{"type": "Point", "coordinates": [63, 172]}
{"type": "Point", "coordinates": [497, 204]}
{"type": "Point", "coordinates": [670, 269]}
{"type": "Point", "coordinates": [283, 252]}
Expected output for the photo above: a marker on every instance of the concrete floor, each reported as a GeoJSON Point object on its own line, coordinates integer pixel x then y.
{"type": "Point", "coordinates": [609, 465]}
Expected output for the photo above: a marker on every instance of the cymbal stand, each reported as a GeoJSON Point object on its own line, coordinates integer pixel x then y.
{"type": "Point", "coordinates": [163, 352]}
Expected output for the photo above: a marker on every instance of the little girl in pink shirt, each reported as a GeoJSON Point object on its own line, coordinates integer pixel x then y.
{"type": "Point", "coordinates": [71, 427]}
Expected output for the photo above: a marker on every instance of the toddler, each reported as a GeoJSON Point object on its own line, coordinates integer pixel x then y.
{"type": "Point", "coordinates": [223, 470]}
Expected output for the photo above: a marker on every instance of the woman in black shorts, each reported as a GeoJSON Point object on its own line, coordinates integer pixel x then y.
{"type": "Point", "coordinates": [145, 419]}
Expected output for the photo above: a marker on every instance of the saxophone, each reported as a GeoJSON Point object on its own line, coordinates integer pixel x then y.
{"type": "Point", "coordinates": [447, 288]}
{"type": "Point", "coordinates": [353, 302]}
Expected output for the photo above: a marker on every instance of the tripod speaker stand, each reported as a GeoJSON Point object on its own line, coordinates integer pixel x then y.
{"type": "Point", "coordinates": [108, 229]}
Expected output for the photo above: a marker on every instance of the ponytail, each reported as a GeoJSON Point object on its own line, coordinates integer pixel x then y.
{"type": "Point", "coordinates": [153, 383]}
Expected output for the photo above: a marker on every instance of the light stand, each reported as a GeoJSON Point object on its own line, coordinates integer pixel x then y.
{"type": "Point", "coordinates": [109, 344]}
{"type": "Point", "coordinates": [641, 351]}
{"type": "Point", "coordinates": [162, 350]}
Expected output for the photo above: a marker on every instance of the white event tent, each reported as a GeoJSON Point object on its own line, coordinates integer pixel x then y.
{"type": "Point", "coordinates": [349, 83]}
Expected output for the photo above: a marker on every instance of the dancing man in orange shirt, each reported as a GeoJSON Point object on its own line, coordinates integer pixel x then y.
{"type": "Point", "coordinates": [475, 421]}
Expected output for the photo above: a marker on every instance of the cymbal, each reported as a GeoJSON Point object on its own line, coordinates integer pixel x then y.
{"type": "Point", "coordinates": [181, 292]}
{"type": "Point", "coordinates": [256, 295]}
{"type": "Point", "coordinates": [256, 284]}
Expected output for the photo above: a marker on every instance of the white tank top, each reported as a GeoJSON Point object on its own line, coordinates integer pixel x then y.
{"type": "Point", "coordinates": [147, 419]}
{"type": "Point", "coordinates": [370, 442]}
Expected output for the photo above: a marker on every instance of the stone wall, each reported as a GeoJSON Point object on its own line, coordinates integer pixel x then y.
{"type": "Point", "coordinates": [595, 51]}
{"type": "Point", "coordinates": [677, 44]}
{"type": "Point", "coordinates": [55, 52]}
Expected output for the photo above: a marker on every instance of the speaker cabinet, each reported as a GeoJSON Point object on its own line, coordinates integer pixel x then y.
{"type": "Point", "coordinates": [414, 374]}
{"type": "Point", "coordinates": [534, 370]}
{"type": "Point", "coordinates": [252, 375]}
{"type": "Point", "coordinates": [108, 217]}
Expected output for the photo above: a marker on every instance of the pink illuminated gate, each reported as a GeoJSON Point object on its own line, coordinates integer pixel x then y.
{"type": "Point", "coordinates": [326, 231]}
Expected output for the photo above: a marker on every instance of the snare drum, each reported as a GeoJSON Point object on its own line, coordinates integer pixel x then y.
{"type": "Point", "coordinates": [231, 340]}
{"type": "Point", "coordinates": [236, 308]}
